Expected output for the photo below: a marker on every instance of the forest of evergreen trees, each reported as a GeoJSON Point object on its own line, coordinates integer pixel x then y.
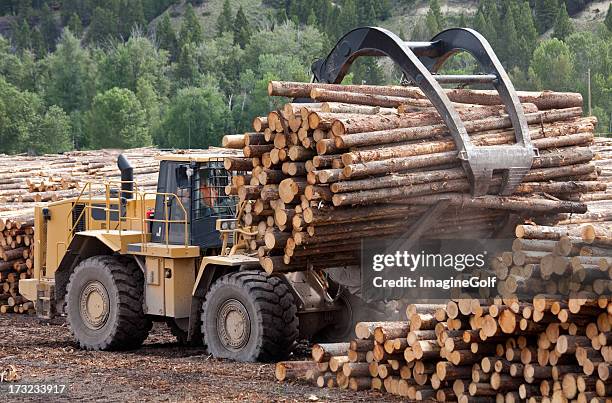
{"type": "Point", "coordinates": [123, 73]}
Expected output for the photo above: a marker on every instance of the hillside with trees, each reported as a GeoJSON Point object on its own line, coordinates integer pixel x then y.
{"type": "Point", "coordinates": [174, 73]}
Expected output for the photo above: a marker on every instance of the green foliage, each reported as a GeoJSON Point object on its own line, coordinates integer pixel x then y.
{"type": "Point", "coordinates": [546, 13]}
{"type": "Point", "coordinates": [225, 20]}
{"type": "Point", "coordinates": [117, 119]}
{"type": "Point", "coordinates": [528, 35]}
{"type": "Point", "coordinates": [186, 71]}
{"type": "Point", "coordinates": [553, 65]}
{"type": "Point", "coordinates": [436, 12]}
{"type": "Point", "coordinates": [22, 36]}
{"type": "Point", "coordinates": [125, 63]}
{"type": "Point", "coordinates": [563, 25]}
{"type": "Point", "coordinates": [75, 25]}
{"type": "Point", "coordinates": [48, 28]}
{"type": "Point", "coordinates": [53, 134]}
{"type": "Point", "coordinates": [608, 20]}
{"type": "Point", "coordinates": [510, 52]}
{"type": "Point", "coordinates": [593, 52]}
{"type": "Point", "coordinates": [71, 75]}
{"type": "Point", "coordinates": [304, 43]}
{"type": "Point", "coordinates": [38, 45]}
{"type": "Point", "coordinates": [166, 36]}
{"type": "Point", "coordinates": [103, 26]}
{"type": "Point", "coordinates": [191, 29]}
{"type": "Point", "coordinates": [241, 28]}
{"type": "Point", "coordinates": [19, 117]}
{"type": "Point", "coordinates": [196, 118]}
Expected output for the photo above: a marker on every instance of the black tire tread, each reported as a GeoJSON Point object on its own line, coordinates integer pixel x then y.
{"type": "Point", "coordinates": [277, 312]}
{"type": "Point", "coordinates": [132, 326]}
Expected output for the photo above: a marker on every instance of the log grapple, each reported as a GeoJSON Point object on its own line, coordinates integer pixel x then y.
{"type": "Point", "coordinates": [420, 63]}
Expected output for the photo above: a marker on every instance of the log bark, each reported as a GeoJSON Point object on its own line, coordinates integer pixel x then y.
{"type": "Point", "coordinates": [544, 99]}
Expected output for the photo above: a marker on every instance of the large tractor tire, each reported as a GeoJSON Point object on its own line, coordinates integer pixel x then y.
{"type": "Point", "coordinates": [248, 316]}
{"type": "Point", "coordinates": [105, 304]}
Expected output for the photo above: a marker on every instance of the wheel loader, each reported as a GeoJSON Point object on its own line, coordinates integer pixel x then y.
{"type": "Point", "coordinates": [117, 258]}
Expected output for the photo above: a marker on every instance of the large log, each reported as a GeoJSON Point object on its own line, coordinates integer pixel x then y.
{"type": "Point", "coordinates": [360, 123]}
{"type": "Point", "coordinates": [544, 99]}
{"type": "Point", "coordinates": [557, 130]}
{"type": "Point", "coordinates": [474, 126]}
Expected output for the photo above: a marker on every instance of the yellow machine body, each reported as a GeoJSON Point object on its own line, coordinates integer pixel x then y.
{"type": "Point", "coordinates": [101, 222]}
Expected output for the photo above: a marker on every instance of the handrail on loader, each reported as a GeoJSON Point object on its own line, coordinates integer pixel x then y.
{"type": "Point", "coordinates": [89, 192]}
{"type": "Point", "coordinates": [420, 62]}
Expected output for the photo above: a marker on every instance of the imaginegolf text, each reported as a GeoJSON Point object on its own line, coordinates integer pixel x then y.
{"type": "Point", "coordinates": [446, 284]}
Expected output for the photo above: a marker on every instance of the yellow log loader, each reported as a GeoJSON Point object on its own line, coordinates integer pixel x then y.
{"type": "Point", "coordinates": [117, 258]}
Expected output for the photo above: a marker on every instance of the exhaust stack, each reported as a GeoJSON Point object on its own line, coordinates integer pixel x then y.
{"type": "Point", "coordinates": [127, 177]}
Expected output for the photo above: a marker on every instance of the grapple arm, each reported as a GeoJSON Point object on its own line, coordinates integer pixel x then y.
{"type": "Point", "coordinates": [419, 61]}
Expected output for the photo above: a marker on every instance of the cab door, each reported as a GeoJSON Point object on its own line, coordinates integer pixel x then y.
{"type": "Point", "coordinates": [210, 203]}
{"type": "Point", "coordinates": [168, 207]}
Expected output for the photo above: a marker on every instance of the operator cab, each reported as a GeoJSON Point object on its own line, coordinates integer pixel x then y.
{"type": "Point", "coordinates": [191, 188]}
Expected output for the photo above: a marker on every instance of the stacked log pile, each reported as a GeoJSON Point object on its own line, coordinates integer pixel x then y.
{"type": "Point", "coordinates": [369, 160]}
{"type": "Point", "coordinates": [26, 181]}
{"type": "Point", "coordinates": [502, 351]}
{"type": "Point", "coordinates": [16, 246]}
{"type": "Point", "coordinates": [365, 162]}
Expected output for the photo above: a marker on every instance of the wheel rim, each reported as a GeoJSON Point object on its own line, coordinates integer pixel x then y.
{"type": "Point", "coordinates": [94, 305]}
{"type": "Point", "coordinates": [233, 325]}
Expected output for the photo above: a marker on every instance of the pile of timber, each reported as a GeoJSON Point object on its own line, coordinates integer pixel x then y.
{"type": "Point", "coordinates": [370, 160]}
{"type": "Point", "coordinates": [16, 253]}
{"type": "Point", "coordinates": [555, 346]}
{"type": "Point", "coordinates": [26, 181]}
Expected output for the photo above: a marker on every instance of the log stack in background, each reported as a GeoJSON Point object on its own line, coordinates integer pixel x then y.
{"type": "Point", "coordinates": [26, 181]}
{"type": "Point", "coordinates": [367, 161]}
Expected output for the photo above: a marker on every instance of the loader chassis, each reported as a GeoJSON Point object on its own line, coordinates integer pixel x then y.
{"type": "Point", "coordinates": [116, 255]}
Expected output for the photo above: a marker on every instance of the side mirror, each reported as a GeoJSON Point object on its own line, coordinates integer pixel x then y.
{"type": "Point", "coordinates": [182, 176]}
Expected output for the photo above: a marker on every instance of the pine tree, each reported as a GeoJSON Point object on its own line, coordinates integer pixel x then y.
{"type": "Point", "coordinates": [487, 21]}
{"type": "Point", "coordinates": [39, 46]}
{"type": "Point", "coordinates": [103, 26]}
{"type": "Point", "coordinates": [563, 26]}
{"type": "Point", "coordinates": [364, 16]}
{"type": "Point", "coordinates": [312, 19]}
{"type": "Point", "coordinates": [49, 28]}
{"type": "Point", "coordinates": [132, 17]}
{"type": "Point", "coordinates": [383, 9]}
{"type": "Point", "coordinates": [608, 20]}
{"type": "Point", "coordinates": [546, 14]}
{"type": "Point", "coordinates": [191, 30]}
{"type": "Point", "coordinates": [186, 68]}
{"type": "Point", "coordinates": [75, 25]}
{"type": "Point", "coordinates": [434, 8]}
{"type": "Point", "coordinates": [22, 36]}
{"type": "Point", "coordinates": [24, 10]}
{"type": "Point", "coordinates": [241, 28]}
{"type": "Point", "coordinates": [225, 20]}
{"type": "Point", "coordinates": [431, 22]}
{"type": "Point", "coordinates": [166, 36]}
{"type": "Point", "coordinates": [528, 34]}
{"type": "Point", "coordinates": [348, 19]}
{"type": "Point", "coordinates": [510, 52]}
{"type": "Point", "coordinates": [420, 31]}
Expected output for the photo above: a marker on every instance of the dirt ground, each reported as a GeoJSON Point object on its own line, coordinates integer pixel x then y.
{"type": "Point", "coordinates": [44, 352]}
